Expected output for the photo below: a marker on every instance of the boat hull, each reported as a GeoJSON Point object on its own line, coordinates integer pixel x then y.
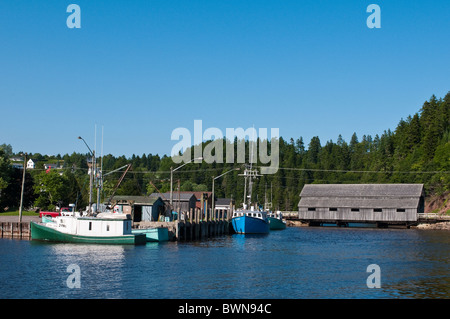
{"type": "Point", "coordinates": [158, 234]}
{"type": "Point", "coordinates": [249, 225]}
{"type": "Point", "coordinates": [45, 233]}
{"type": "Point", "coordinates": [276, 223]}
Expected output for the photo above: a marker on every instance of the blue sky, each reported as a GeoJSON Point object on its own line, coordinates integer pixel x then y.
{"type": "Point", "coordinates": [141, 69]}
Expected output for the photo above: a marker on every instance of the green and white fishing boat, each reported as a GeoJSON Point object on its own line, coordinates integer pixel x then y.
{"type": "Point", "coordinates": [105, 228]}
{"type": "Point", "coordinates": [276, 221]}
{"type": "Point", "coordinates": [94, 226]}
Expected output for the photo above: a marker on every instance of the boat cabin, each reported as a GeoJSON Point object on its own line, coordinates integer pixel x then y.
{"type": "Point", "coordinates": [250, 213]}
{"type": "Point", "coordinates": [105, 224]}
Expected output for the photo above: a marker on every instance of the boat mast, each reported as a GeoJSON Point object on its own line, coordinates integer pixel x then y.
{"type": "Point", "coordinates": [249, 174]}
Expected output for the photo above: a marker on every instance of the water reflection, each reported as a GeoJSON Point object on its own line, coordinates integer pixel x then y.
{"type": "Point", "coordinates": [102, 268]}
{"type": "Point", "coordinates": [93, 253]}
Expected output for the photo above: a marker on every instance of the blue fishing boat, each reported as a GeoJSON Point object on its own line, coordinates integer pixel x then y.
{"type": "Point", "coordinates": [250, 222]}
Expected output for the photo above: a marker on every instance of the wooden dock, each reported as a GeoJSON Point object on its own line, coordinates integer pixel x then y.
{"type": "Point", "coordinates": [193, 225]}
{"type": "Point", "coordinates": [15, 230]}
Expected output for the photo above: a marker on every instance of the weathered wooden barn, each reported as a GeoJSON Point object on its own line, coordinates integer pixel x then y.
{"type": "Point", "coordinates": [361, 203]}
{"type": "Point", "coordinates": [182, 202]}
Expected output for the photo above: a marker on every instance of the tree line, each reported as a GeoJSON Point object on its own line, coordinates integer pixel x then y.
{"type": "Point", "coordinates": [417, 151]}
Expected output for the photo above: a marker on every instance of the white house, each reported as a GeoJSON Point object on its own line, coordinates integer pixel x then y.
{"type": "Point", "coordinates": [31, 164]}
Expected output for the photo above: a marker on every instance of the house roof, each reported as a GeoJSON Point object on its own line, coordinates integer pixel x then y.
{"type": "Point", "coordinates": [361, 195]}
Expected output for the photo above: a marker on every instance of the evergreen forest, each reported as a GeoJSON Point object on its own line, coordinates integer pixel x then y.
{"type": "Point", "coordinates": [416, 151]}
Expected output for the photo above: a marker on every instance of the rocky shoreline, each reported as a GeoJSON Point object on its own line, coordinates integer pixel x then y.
{"type": "Point", "coordinates": [434, 226]}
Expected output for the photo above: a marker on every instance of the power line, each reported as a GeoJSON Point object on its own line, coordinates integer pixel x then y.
{"type": "Point", "coordinates": [280, 168]}
{"type": "Point", "coordinates": [354, 171]}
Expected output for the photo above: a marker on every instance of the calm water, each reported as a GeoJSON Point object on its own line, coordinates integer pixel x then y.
{"type": "Point", "coordinates": [294, 263]}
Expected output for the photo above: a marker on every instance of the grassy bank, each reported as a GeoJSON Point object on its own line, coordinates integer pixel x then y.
{"type": "Point", "coordinates": [16, 213]}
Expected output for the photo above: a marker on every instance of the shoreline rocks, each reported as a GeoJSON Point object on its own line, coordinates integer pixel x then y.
{"type": "Point", "coordinates": [434, 226]}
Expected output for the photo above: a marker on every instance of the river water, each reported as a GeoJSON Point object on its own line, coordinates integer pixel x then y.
{"type": "Point", "coordinates": [296, 263]}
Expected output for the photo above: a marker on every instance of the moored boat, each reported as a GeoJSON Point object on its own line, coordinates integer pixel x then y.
{"type": "Point", "coordinates": [105, 228]}
{"type": "Point", "coordinates": [276, 221]}
{"type": "Point", "coordinates": [250, 222]}
{"type": "Point", "coordinates": [154, 234]}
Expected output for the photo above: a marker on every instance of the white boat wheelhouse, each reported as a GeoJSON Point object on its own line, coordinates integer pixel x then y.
{"type": "Point", "coordinates": [103, 225]}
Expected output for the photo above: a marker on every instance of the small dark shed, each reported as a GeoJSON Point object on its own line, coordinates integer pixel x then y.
{"type": "Point", "coordinates": [143, 208]}
{"type": "Point", "coordinates": [182, 202]}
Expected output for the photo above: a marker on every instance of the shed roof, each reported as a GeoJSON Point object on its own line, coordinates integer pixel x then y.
{"type": "Point", "coordinates": [183, 196]}
{"type": "Point", "coordinates": [137, 200]}
{"type": "Point", "coordinates": [361, 195]}
{"type": "Point", "coordinates": [223, 201]}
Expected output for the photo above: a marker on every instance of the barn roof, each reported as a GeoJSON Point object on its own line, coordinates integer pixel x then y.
{"type": "Point", "coordinates": [361, 195]}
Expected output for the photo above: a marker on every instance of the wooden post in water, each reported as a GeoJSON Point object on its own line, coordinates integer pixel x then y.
{"type": "Point", "coordinates": [221, 221]}
{"type": "Point", "coordinates": [202, 229]}
{"type": "Point", "coordinates": [201, 207]}
{"type": "Point", "coordinates": [210, 225]}
{"type": "Point", "coordinates": [214, 224]}
{"type": "Point", "coordinates": [197, 223]}
{"type": "Point", "coordinates": [186, 220]}
{"type": "Point", "coordinates": [194, 223]}
{"type": "Point", "coordinates": [218, 223]}
{"type": "Point", "coordinates": [189, 230]}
